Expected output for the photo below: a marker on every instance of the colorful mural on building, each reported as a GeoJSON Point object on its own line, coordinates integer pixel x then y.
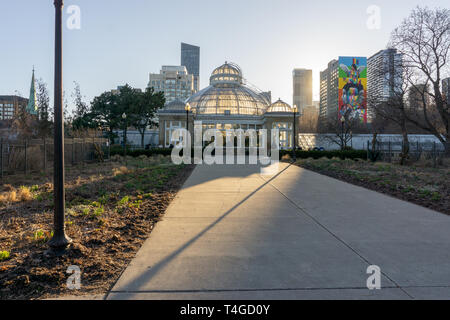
{"type": "Point", "coordinates": [353, 88]}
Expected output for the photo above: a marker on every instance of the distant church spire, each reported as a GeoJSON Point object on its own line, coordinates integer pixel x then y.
{"type": "Point", "coordinates": [32, 104]}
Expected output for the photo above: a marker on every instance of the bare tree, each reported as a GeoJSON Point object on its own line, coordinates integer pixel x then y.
{"type": "Point", "coordinates": [424, 40]}
{"type": "Point", "coordinates": [23, 124]}
{"type": "Point", "coordinates": [391, 106]}
{"type": "Point", "coordinates": [340, 131]}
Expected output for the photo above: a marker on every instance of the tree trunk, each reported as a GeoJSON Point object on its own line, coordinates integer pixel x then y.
{"type": "Point", "coordinates": [405, 146]}
{"type": "Point", "coordinates": [447, 147]}
{"type": "Point", "coordinates": [143, 139]}
{"type": "Point", "coordinates": [374, 142]}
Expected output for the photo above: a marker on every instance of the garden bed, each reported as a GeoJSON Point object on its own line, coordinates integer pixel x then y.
{"type": "Point", "coordinates": [423, 185]}
{"type": "Point", "coordinates": [111, 210]}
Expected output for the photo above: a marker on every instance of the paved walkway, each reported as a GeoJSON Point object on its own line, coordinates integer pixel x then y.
{"type": "Point", "coordinates": [232, 233]}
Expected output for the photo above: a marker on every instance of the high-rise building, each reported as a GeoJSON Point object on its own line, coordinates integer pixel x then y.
{"type": "Point", "coordinates": [309, 119]}
{"type": "Point", "coordinates": [190, 58]}
{"type": "Point", "coordinates": [174, 81]}
{"type": "Point", "coordinates": [418, 96]}
{"type": "Point", "coordinates": [117, 91]}
{"type": "Point", "coordinates": [446, 89]}
{"type": "Point", "coordinates": [316, 104]}
{"type": "Point", "coordinates": [302, 80]}
{"type": "Point", "coordinates": [384, 77]}
{"type": "Point", "coordinates": [329, 91]}
{"type": "Point", "coordinates": [9, 106]}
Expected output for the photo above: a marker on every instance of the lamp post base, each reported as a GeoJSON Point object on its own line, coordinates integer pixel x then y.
{"type": "Point", "coordinates": [58, 245]}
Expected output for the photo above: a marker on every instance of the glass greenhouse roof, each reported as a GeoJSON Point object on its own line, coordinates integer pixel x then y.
{"type": "Point", "coordinates": [175, 105]}
{"type": "Point", "coordinates": [228, 95]}
{"type": "Point", "coordinates": [280, 106]}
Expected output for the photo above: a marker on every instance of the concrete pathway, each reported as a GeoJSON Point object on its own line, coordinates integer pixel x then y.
{"type": "Point", "coordinates": [232, 233]}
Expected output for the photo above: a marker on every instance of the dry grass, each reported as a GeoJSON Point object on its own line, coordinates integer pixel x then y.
{"type": "Point", "coordinates": [25, 194]}
{"type": "Point", "coordinates": [120, 171]}
{"type": "Point", "coordinates": [11, 196]}
{"type": "Point", "coordinates": [22, 194]}
{"type": "Point", "coordinates": [111, 209]}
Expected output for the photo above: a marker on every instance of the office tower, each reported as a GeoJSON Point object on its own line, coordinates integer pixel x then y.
{"type": "Point", "coordinates": [418, 96]}
{"type": "Point", "coordinates": [302, 81]}
{"type": "Point", "coordinates": [384, 77]}
{"type": "Point", "coordinates": [446, 89]}
{"type": "Point", "coordinates": [174, 81]}
{"type": "Point", "coordinates": [190, 58]}
{"type": "Point", "coordinates": [329, 91]}
{"type": "Point", "coordinates": [9, 106]}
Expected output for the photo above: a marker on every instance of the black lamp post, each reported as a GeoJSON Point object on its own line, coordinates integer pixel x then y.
{"type": "Point", "coordinates": [60, 241]}
{"type": "Point", "coordinates": [188, 109]}
{"type": "Point", "coordinates": [124, 117]}
{"type": "Point", "coordinates": [294, 137]}
{"type": "Point", "coordinates": [343, 131]}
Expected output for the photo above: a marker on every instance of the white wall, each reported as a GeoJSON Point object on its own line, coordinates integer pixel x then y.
{"type": "Point", "coordinates": [359, 141]}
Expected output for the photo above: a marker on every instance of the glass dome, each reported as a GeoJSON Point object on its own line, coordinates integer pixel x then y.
{"type": "Point", "coordinates": [228, 95]}
{"type": "Point", "coordinates": [225, 75]}
{"type": "Point", "coordinates": [280, 106]}
{"type": "Point", "coordinates": [176, 105]}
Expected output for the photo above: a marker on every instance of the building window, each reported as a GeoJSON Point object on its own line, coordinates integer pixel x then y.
{"type": "Point", "coordinates": [170, 127]}
{"type": "Point", "coordinates": [285, 129]}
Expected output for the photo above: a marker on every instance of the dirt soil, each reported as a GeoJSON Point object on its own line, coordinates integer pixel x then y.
{"type": "Point", "coordinates": [111, 210]}
{"type": "Point", "coordinates": [423, 185]}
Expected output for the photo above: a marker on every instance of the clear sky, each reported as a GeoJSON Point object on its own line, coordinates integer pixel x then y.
{"type": "Point", "coordinates": [123, 41]}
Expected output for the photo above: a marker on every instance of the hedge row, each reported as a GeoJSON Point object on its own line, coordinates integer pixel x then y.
{"type": "Point", "coordinates": [139, 152]}
{"type": "Point", "coordinates": [346, 154]}
{"type": "Point", "coordinates": [342, 154]}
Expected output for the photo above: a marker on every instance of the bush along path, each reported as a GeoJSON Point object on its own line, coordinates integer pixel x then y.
{"type": "Point", "coordinates": [422, 185]}
{"type": "Point", "coordinates": [111, 209]}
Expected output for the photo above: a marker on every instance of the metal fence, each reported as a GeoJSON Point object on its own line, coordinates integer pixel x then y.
{"type": "Point", "coordinates": [29, 156]}
{"type": "Point", "coordinates": [390, 151]}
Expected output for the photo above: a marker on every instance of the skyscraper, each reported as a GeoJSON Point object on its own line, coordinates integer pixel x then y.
{"type": "Point", "coordinates": [384, 77]}
{"type": "Point", "coordinates": [419, 97]}
{"type": "Point", "coordinates": [190, 58]}
{"type": "Point", "coordinates": [10, 106]}
{"type": "Point", "coordinates": [302, 80]}
{"type": "Point", "coordinates": [329, 91]}
{"type": "Point", "coordinates": [174, 81]}
{"type": "Point", "coordinates": [446, 89]}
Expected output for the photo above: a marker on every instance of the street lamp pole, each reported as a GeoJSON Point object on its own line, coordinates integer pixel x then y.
{"type": "Point", "coordinates": [124, 117]}
{"type": "Point", "coordinates": [188, 109]}
{"type": "Point", "coordinates": [60, 241]}
{"type": "Point", "coordinates": [343, 131]}
{"type": "Point", "coordinates": [294, 138]}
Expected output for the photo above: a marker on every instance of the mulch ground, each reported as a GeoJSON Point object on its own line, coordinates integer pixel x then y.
{"type": "Point", "coordinates": [425, 186]}
{"type": "Point", "coordinates": [111, 210]}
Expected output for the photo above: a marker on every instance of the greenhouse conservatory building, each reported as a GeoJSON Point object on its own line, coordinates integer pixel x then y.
{"type": "Point", "coordinates": [227, 103]}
